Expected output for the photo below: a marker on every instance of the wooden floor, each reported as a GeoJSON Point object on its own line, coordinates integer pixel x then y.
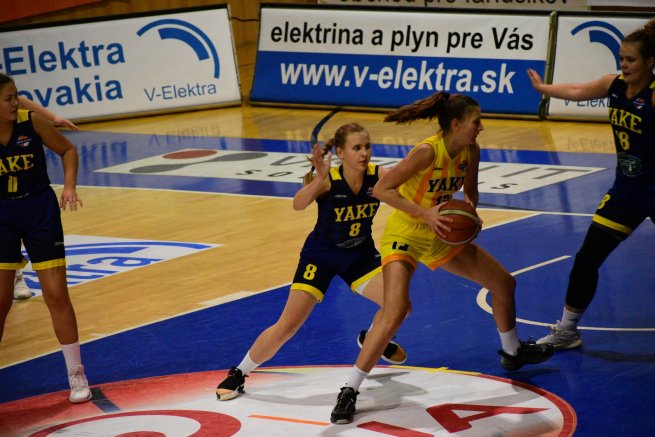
{"type": "Point", "coordinates": [250, 260]}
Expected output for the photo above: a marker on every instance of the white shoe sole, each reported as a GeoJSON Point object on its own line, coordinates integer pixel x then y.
{"type": "Point", "coordinates": [227, 396]}
{"type": "Point", "coordinates": [82, 400]}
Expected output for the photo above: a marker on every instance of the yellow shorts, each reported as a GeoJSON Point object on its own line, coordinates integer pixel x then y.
{"type": "Point", "coordinates": [413, 241]}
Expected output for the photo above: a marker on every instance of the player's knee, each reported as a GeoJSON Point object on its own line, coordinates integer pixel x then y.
{"type": "Point", "coordinates": [393, 317]}
{"type": "Point", "coordinates": [504, 285]}
{"type": "Point", "coordinates": [56, 300]}
{"type": "Point", "coordinates": [284, 331]}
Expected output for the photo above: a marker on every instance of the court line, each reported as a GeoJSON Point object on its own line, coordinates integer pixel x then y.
{"type": "Point", "coordinates": [288, 419]}
{"type": "Point", "coordinates": [172, 190]}
{"type": "Point", "coordinates": [313, 139]}
{"type": "Point", "coordinates": [481, 300]}
{"type": "Point", "coordinates": [205, 305]}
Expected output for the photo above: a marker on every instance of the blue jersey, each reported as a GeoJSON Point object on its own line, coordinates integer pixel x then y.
{"type": "Point", "coordinates": [633, 125]}
{"type": "Point", "coordinates": [341, 243]}
{"type": "Point", "coordinates": [23, 170]}
{"type": "Point", "coordinates": [345, 219]}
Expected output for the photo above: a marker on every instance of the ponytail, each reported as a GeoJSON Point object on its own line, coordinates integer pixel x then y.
{"type": "Point", "coordinates": [442, 105]}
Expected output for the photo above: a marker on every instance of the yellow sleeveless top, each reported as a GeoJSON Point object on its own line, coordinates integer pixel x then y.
{"type": "Point", "coordinates": [440, 180]}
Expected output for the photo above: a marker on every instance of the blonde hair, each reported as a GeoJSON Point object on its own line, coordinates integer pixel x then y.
{"type": "Point", "coordinates": [338, 141]}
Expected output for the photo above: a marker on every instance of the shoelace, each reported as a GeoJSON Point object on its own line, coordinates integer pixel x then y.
{"type": "Point", "coordinates": [77, 380]}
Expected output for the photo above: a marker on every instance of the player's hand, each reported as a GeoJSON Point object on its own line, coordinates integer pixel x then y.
{"type": "Point", "coordinates": [535, 79]}
{"type": "Point", "coordinates": [69, 200]}
{"type": "Point", "coordinates": [62, 122]}
{"type": "Point", "coordinates": [437, 222]}
{"type": "Point", "coordinates": [321, 165]}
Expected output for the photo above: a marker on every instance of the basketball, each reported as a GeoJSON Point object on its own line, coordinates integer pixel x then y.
{"type": "Point", "coordinates": [465, 225]}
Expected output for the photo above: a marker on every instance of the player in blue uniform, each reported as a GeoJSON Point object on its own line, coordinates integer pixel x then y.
{"type": "Point", "coordinates": [341, 244]}
{"type": "Point", "coordinates": [29, 214]}
{"type": "Point", "coordinates": [21, 290]}
{"type": "Point", "coordinates": [632, 196]}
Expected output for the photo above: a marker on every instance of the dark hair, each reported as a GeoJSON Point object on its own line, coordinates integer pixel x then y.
{"type": "Point", "coordinates": [644, 39]}
{"type": "Point", "coordinates": [443, 106]}
{"type": "Point", "coordinates": [4, 80]}
{"type": "Point", "coordinates": [338, 141]}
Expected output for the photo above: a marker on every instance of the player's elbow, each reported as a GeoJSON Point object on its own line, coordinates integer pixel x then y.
{"type": "Point", "coordinates": [378, 192]}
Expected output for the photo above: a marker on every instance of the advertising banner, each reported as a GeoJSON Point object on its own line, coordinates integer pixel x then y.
{"type": "Point", "coordinates": [588, 48]}
{"type": "Point", "coordinates": [481, 5]}
{"type": "Point", "coordinates": [385, 59]}
{"type": "Point", "coordinates": [130, 66]}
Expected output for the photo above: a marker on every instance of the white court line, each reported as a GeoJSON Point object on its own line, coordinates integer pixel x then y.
{"type": "Point", "coordinates": [203, 305]}
{"type": "Point", "coordinates": [481, 299]}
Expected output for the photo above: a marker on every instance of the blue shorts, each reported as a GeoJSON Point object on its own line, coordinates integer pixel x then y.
{"type": "Point", "coordinates": [320, 263]}
{"type": "Point", "coordinates": [36, 222]}
{"type": "Point", "coordinates": [622, 210]}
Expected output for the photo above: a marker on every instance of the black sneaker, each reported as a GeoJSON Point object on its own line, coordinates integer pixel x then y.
{"type": "Point", "coordinates": [529, 353]}
{"type": "Point", "coordinates": [344, 411]}
{"type": "Point", "coordinates": [232, 386]}
{"type": "Point", "coordinates": [393, 353]}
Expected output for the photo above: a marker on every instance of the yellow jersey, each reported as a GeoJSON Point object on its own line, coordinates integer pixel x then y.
{"type": "Point", "coordinates": [443, 177]}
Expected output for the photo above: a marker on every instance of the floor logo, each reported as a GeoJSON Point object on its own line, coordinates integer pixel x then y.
{"type": "Point", "coordinates": [495, 177]}
{"type": "Point", "coordinates": [189, 34]}
{"type": "Point", "coordinates": [89, 258]}
{"type": "Point", "coordinates": [603, 33]}
{"type": "Point", "coordinates": [296, 401]}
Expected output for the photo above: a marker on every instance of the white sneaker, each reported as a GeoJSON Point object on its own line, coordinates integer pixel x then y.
{"type": "Point", "coordinates": [561, 339]}
{"type": "Point", "coordinates": [79, 385]}
{"type": "Point", "coordinates": [21, 290]}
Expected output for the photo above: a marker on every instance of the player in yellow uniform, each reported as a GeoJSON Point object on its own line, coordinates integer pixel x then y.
{"type": "Point", "coordinates": [417, 187]}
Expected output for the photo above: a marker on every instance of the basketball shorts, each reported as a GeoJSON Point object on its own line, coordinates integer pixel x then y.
{"type": "Point", "coordinates": [620, 212]}
{"type": "Point", "coordinates": [36, 222]}
{"type": "Point", "coordinates": [320, 263]}
{"type": "Point", "coordinates": [413, 242]}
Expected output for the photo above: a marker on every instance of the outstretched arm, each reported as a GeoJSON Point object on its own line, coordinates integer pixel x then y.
{"type": "Point", "coordinates": [595, 89]}
{"type": "Point", "coordinates": [26, 103]}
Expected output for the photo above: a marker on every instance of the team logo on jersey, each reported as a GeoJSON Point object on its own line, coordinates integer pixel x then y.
{"type": "Point", "coordinates": [463, 165]}
{"type": "Point", "coordinates": [630, 165]}
{"type": "Point", "coordinates": [23, 141]}
{"type": "Point", "coordinates": [639, 103]}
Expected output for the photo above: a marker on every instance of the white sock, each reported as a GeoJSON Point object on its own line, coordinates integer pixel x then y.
{"type": "Point", "coordinates": [247, 365]}
{"type": "Point", "coordinates": [356, 378]}
{"type": "Point", "coordinates": [569, 320]}
{"type": "Point", "coordinates": [72, 355]}
{"type": "Point", "coordinates": [510, 341]}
